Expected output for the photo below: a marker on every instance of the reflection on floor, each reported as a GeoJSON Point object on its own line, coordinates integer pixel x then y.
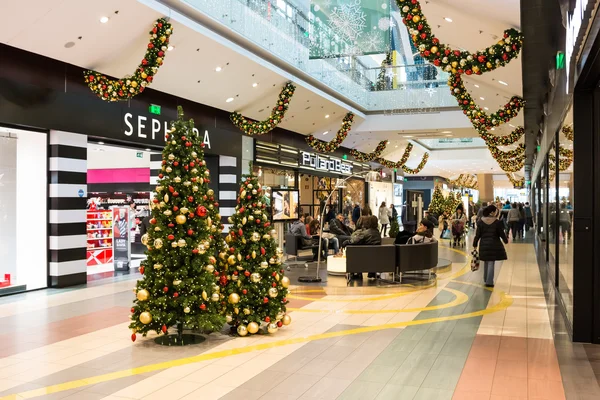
{"type": "Point", "coordinates": [450, 339]}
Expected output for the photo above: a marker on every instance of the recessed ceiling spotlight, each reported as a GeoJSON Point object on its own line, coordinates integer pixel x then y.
{"type": "Point", "coordinates": [476, 86]}
{"type": "Point", "coordinates": [229, 100]}
{"type": "Point", "coordinates": [325, 133]}
{"type": "Point", "coordinates": [448, 19]}
{"type": "Point", "coordinates": [254, 84]}
{"type": "Point", "coordinates": [104, 20]}
{"type": "Point", "coordinates": [503, 83]}
{"type": "Point", "coordinates": [327, 116]}
{"type": "Point", "coordinates": [218, 69]}
{"type": "Point", "coordinates": [170, 48]}
{"type": "Point", "coordinates": [482, 98]}
{"type": "Point", "coordinates": [407, 136]}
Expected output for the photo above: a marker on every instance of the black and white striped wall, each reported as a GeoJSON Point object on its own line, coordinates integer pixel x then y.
{"type": "Point", "coordinates": [67, 209]}
{"type": "Point", "coordinates": [228, 188]}
{"type": "Point", "coordinates": [155, 167]}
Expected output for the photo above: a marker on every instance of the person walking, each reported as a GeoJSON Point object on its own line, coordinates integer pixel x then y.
{"type": "Point", "coordinates": [355, 213]}
{"type": "Point", "coordinates": [489, 236]}
{"type": "Point", "coordinates": [384, 218]}
{"type": "Point", "coordinates": [513, 220]}
{"type": "Point", "coordinates": [521, 227]}
{"type": "Point", "coordinates": [528, 217]}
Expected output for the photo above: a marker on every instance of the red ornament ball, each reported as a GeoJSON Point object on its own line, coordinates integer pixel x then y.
{"type": "Point", "coordinates": [203, 306]}
{"type": "Point", "coordinates": [133, 337]}
{"type": "Point", "coordinates": [132, 310]}
{"type": "Point", "coordinates": [164, 329]}
{"type": "Point", "coordinates": [142, 269]}
{"type": "Point", "coordinates": [244, 291]}
{"type": "Point", "coordinates": [266, 300]}
{"type": "Point", "coordinates": [279, 324]}
{"type": "Point", "coordinates": [201, 211]}
{"type": "Point", "coordinates": [175, 294]}
{"type": "Point", "coordinates": [267, 319]}
{"type": "Point", "coordinates": [247, 273]}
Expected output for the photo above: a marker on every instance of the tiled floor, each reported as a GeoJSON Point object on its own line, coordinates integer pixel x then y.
{"type": "Point", "coordinates": [455, 339]}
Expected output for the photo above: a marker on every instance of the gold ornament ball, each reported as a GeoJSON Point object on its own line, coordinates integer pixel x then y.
{"type": "Point", "coordinates": [145, 318]}
{"type": "Point", "coordinates": [255, 277]}
{"type": "Point", "coordinates": [228, 318]}
{"type": "Point", "coordinates": [286, 320]}
{"type": "Point", "coordinates": [142, 295]}
{"type": "Point", "coordinates": [252, 327]}
{"type": "Point", "coordinates": [169, 169]}
{"type": "Point", "coordinates": [210, 192]}
{"type": "Point", "coordinates": [273, 233]}
{"type": "Point", "coordinates": [180, 219]}
{"type": "Point", "coordinates": [264, 265]}
{"type": "Point", "coordinates": [187, 310]}
{"type": "Point", "coordinates": [285, 282]}
{"type": "Point", "coordinates": [171, 156]}
{"type": "Point", "coordinates": [158, 243]}
{"type": "Point", "coordinates": [174, 244]}
{"type": "Point", "coordinates": [246, 311]}
{"type": "Point", "coordinates": [279, 252]}
{"type": "Point", "coordinates": [234, 298]}
{"type": "Point", "coordinates": [210, 268]}
{"type": "Point", "coordinates": [255, 236]}
{"type": "Point", "coordinates": [168, 213]}
{"type": "Point", "coordinates": [271, 260]}
{"type": "Point", "coordinates": [273, 292]}
{"type": "Point", "coordinates": [242, 330]}
{"type": "Point", "coordinates": [272, 328]}
{"type": "Point", "coordinates": [145, 239]}
{"type": "Point", "coordinates": [434, 49]}
{"type": "Point", "coordinates": [416, 18]}
{"type": "Point", "coordinates": [181, 243]}
{"type": "Point", "coordinates": [214, 297]}
{"type": "Point", "coordinates": [231, 260]}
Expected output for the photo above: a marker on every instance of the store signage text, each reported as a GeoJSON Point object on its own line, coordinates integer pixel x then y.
{"type": "Point", "coordinates": [325, 164]}
{"type": "Point", "coordinates": [574, 22]}
{"type": "Point", "coordinates": [144, 127]}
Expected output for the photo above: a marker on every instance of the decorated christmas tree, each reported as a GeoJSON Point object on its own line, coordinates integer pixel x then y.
{"type": "Point", "coordinates": [179, 277]}
{"type": "Point", "coordinates": [394, 227]}
{"type": "Point", "coordinates": [450, 204]}
{"type": "Point", "coordinates": [257, 288]}
{"type": "Point", "coordinates": [436, 207]}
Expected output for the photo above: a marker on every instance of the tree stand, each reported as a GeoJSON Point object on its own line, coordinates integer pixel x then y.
{"type": "Point", "coordinates": [179, 339]}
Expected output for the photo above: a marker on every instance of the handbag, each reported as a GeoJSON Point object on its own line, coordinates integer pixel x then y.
{"type": "Point", "coordinates": [475, 260]}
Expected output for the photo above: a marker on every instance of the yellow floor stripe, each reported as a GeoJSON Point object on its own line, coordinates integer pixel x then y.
{"type": "Point", "coordinates": [505, 301]}
{"type": "Point", "coordinates": [411, 289]}
{"type": "Point", "coordinates": [460, 298]}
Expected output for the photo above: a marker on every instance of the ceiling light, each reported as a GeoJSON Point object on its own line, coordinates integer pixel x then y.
{"type": "Point", "coordinates": [170, 48]}
{"type": "Point", "coordinates": [229, 100]}
{"type": "Point", "coordinates": [446, 131]}
{"type": "Point", "coordinates": [218, 69]}
{"type": "Point", "coordinates": [327, 116]}
{"type": "Point", "coordinates": [148, 149]}
{"type": "Point", "coordinates": [100, 142]}
{"type": "Point", "coordinates": [254, 84]}
{"type": "Point", "coordinates": [396, 146]}
{"type": "Point", "coordinates": [448, 19]}
{"type": "Point", "coordinates": [503, 83]}
{"type": "Point", "coordinates": [104, 20]}
{"type": "Point", "coordinates": [482, 98]}
{"type": "Point", "coordinates": [476, 86]}
{"type": "Point", "coordinates": [486, 108]}
{"type": "Point", "coordinates": [407, 136]}
{"type": "Point", "coordinates": [325, 133]}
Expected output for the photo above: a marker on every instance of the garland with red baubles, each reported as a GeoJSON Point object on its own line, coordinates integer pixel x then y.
{"type": "Point", "coordinates": [399, 164]}
{"type": "Point", "coordinates": [256, 128]}
{"type": "Point", "coordinates": [130, 86]}
{"type": "Point", "coordinates": [329, 147]}
{"type": "Point", "coordinates": [366, 157]}
{"type": "Point", "coordinates": [457, 61]}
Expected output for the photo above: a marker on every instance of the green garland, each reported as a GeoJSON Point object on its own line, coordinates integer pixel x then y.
{"type": "Point", "coordinates": [399, 164]}
{"type": "Point", "coordinates": [515, 154]}
{"type": "Point", "coordinates": [457, 61]}
{"type": "Point", "coordinates": [366, 157]}
{"type": "Point", "coordinates": [511, 165]}
{"type": "Point", "coordinates": [568, 132]}
{"type": "Point", "coordinates": [254, 128]}
{"type": "Point", "coordinates": [329, 147]}
{"type": "Point", "coordinates": [464, 181]}
{"type": "Point", "coordinates": [130, 86]}
{"type": "Point", "coordinates": [493, 140]}
{"type": "Point", "coordinates": [387, 61]}
{"type": "Point", "coordinates": [478, 117]}
{"type": "Point", "coordinates": [419, 167]}
{"type": "Point", "coordinates": [563, 163]}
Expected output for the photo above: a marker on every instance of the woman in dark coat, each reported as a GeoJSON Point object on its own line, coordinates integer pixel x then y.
{"type": "Point", "coordinates": [490, 235]}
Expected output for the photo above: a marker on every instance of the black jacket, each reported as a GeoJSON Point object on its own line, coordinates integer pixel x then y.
{"type": "Point", "coordinates": [489, 233]}
{"type": "Point", "coordinates": [365, 237]}
{"type": "Point", "coordinates": [338, 228]}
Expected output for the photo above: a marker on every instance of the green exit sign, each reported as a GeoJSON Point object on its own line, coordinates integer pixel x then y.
{"type": "Point", "coordinates": [139, 154]}
{"type": "Point", "coordinates": [154, 109]}
{"type": "Point", "coordinates": [560, 60]}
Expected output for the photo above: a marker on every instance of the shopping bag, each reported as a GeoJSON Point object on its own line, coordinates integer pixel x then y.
{"type": "Point", "coordinates": [447, 234]}
{"type": "Point", "coordinates": [474, 260]}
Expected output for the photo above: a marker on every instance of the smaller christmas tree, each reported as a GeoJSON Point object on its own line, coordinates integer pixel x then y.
{"type": "Point", "coordinates": [450, 204]}
{"type": "Point", "coordinates": [394, 227]}
{"type": "Point", "coordinates": [436, 207]}
{"type": "Point", "coordinates": [255, 286]}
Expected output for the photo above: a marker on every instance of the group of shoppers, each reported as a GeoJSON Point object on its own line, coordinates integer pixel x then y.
{"type": "Point", "coordinates": [518, 219]}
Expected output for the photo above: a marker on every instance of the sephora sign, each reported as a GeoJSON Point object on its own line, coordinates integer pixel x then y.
{"type": "Point", "coordinates": [151, 129]}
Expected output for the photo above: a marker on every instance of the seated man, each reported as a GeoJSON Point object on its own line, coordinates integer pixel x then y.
{"type": "Point", "coordinates": [367, 235]}
{"type": "Point", "coordinates": [339, 229]}
{"type": "Point", "coordinates": [424, 233]}
{"type": "Point", "coordinates": [298, 228]}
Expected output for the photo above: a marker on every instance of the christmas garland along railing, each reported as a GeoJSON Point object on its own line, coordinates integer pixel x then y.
{"type": "Point", "coordinates": [395, 165]}
{"type": "Point", "coordinates": [330, 147]}
{"type": "Point", "coordinates": [515, 154]}
{"type": "Point", "coordinates": [456, 61]}
{"type": "Point", "coordinates": [478, 117]}
{"type": "Point", "coordinates": [255, 128]}
{"type": "Point", "coordinates": [130, 86]}
{"type": "Point", "coordinates": [419, 167]}
{"type": "Point", "coordinates": [366, 157]}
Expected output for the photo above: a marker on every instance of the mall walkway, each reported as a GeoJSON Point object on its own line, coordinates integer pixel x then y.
{"type": "Point", "coordinates": [455, 340]}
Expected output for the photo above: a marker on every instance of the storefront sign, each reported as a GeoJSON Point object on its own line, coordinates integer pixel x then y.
{"type": "Point", "coordinates": [325, 164]}
{"type": "Point", "coordinates": [574, 23]}
{"type": "Point", "coordinates": [122, 246]}
{"type": "Point", "coordinates": [150, 128]}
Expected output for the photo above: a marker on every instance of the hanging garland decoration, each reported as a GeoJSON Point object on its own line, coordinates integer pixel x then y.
{"type": "Point", "coordinates": [568, 132]}
{"type": "Point", "coordinates": [130, 86]}
{"type": "Point", "coordinates": [562, 151]}
{"type": "Point", "coordinates": [366, 157]}
{"type": "Point", "coordinates": [456, 61]}
{"type": "Point", "coordinates": [520, 182]}
{"type": "Point", "coordinates": [515, 154]}
{"type": "Point", "coordinates": [478, 117]}
{"type": "Point", "coordinates": [493, 140]}
{"type": "Point", "coordinates": [330, 147]}
{"type": "Point", "coordinates": [387, 61]}
{"type": "Point", "coordinates": [511, 165]}
{"type": "Point", "coordinates": [399, 164]}
{"type": "Point", "coordinates": [464, 181]}
{"type": "Point", "coordinates": [419, 167]}
{"type": "Point", "coordinates": [563, 163]}
{"type": "Point", "coordinates": [255, 128]}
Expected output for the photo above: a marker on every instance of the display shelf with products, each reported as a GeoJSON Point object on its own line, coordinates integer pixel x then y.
{"type": "Point", "coordinates": [99, 237]}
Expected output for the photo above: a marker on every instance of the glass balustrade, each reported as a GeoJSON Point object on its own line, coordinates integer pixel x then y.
{"type": "Point", "coordinates": [283, 29]}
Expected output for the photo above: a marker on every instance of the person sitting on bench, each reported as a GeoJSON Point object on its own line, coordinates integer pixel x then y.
{"type": "Point", "coordinates": [367, 235]}
{"type": "Point", "coordinates": [424, 233]}
{"type": "Point", "coordinates": [298, 228]}
{"type": "Point", "coordinates": [339, 229]}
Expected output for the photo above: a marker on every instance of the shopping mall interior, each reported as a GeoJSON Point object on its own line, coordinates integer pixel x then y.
{"type": "Point", "coordinates": [300, 199]}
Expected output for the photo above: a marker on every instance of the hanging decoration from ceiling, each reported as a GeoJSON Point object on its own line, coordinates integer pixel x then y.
{"type": "Point", "coordinates": [342, 28]}
{"type": "Point", "coordinates": [493, 140]}
{"type": "Point", "coordinates": [518, 183]}
{"type": "Point", "coordinates": [457, 61]}
{"type": "Point", "coordinates": [465, 181]}
{"type": "Point", "coordinates": [511, 165]}
{"type": "Point", "coordinates": [335, 143]}
{"type": "Point", "coordinates": [478, 117]}
{"type": "Point", "coordinates": [256, 128]}
{"type": "Point", "coordinates": [366, 157]}
{"type": "Point", "coordinates": [515, 155]}
{"type": "Point", "coordinates": [563, 163]}
{"type": "Point", "coordinates": [568, 132]}
{"type": "Point", "coordinates": [130, 86]}
{"type": "Point", "coordinates": [419, 167]}
{"type": "Point", "coordinates": [395, 165]}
